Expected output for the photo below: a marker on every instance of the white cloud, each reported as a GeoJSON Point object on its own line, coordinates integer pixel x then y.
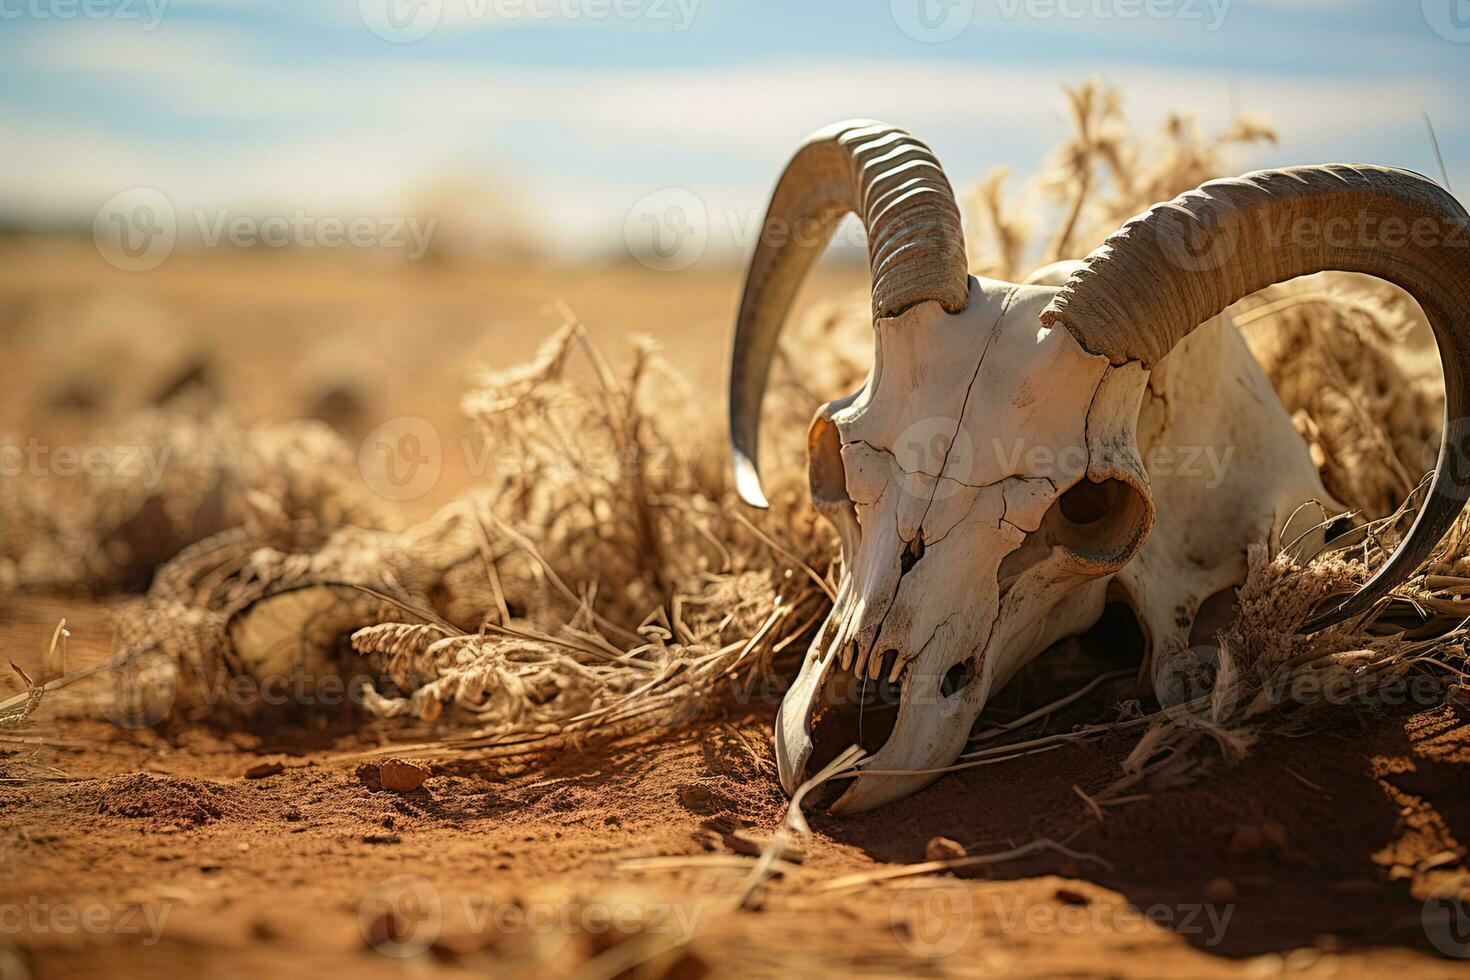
{"type": "Point", "coordinates": [346, 134]}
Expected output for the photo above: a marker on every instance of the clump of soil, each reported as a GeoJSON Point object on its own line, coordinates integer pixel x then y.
{"type": "Point", "coordinates": [172, 799]}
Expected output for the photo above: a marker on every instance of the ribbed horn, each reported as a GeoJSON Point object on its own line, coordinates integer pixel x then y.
{"type": "Point", "coordinates": [1177, 265]}
{"type": "Point", "coordinates": [916, 252]}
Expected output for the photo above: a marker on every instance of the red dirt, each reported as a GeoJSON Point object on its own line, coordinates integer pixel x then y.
{"type": "Point", "coordinates": [1320, 851]}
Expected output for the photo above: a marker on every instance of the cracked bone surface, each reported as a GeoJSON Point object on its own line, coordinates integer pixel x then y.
{"type": "Point", "coordinates": [1018, 459]}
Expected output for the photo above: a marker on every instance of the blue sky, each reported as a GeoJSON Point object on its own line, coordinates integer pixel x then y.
{"type": "Point", "coordinates": [574, 110]}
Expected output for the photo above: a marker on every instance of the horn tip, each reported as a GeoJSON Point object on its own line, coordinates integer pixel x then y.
{"type": "Point", "coordinates": [748, 482]}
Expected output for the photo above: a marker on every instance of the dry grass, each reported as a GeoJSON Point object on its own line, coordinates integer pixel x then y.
{"type": "Point", "coordinates": [605, 581]}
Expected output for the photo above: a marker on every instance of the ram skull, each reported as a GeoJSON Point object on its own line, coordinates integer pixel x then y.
{"type": "Point", "coordinates": [1020, 454]}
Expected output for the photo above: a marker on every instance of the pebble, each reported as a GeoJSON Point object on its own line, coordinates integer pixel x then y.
{"type": "Point", "coordinates": [1248, 839]}
{"type": "Point", "coordinates": [400, 776]}
{"type": "Point", "coordinates": [1220, 891]}
{"type": "Point", "coordinates": [943, 849]}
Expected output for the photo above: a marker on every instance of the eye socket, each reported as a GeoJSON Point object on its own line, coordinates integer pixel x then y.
{"type": "Point", "coordinates": [1088, 502]}
{"type": "Point", "coordinates": [824, 463]}
{"type": "Point", "coordinates": [1101, 522]}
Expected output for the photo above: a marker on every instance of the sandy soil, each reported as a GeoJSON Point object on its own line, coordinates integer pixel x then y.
{"type": "Point", "coordinates": [194, 851]}
{"type": "Point", "coordinates": [1312, 858]}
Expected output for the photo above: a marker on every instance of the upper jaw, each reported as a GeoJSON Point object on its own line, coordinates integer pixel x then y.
{"type": "Point", "coordinates": [929, 736]}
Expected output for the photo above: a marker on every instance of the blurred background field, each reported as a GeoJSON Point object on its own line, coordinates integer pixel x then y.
{"type": "Point", "coordinates": [505, 156]}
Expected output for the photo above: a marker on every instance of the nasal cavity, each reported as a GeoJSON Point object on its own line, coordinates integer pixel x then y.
{"type": "Point", "coordinates": [854, 710]}
{"type": "Point", "coordinates": [912, 552]}
{"type": "Point", "coordinates": [957, 678]}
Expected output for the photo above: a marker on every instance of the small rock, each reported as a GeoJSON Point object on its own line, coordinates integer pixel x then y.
{"type": "Point", "coordinates": [1275, 835]}
{"type": "Point", "coordinates": [400, 776]}
{"type": "Point", "coordinates": [263, 769]}
{"type": "Point", "coordinates": [1070, 896]}
{"type": "Point", "coordinates": [1220, 891]}
{"type": "Point", "coordinates": [1248, 840]}
{"type": "Point", "coordinates": [943, 849]}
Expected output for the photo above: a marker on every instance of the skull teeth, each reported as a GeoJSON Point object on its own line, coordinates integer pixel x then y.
{"type": "Point", "coordinates": [899, 663]}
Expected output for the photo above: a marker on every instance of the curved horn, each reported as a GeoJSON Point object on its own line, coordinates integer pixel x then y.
{"type": "Point", "coordinates": [916, 252]}
{"type": "Point", "coordinates": [1177, 265]}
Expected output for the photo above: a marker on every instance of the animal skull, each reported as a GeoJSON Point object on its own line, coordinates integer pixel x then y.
{"type": "Point", "coordinates": [1021, 454]}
